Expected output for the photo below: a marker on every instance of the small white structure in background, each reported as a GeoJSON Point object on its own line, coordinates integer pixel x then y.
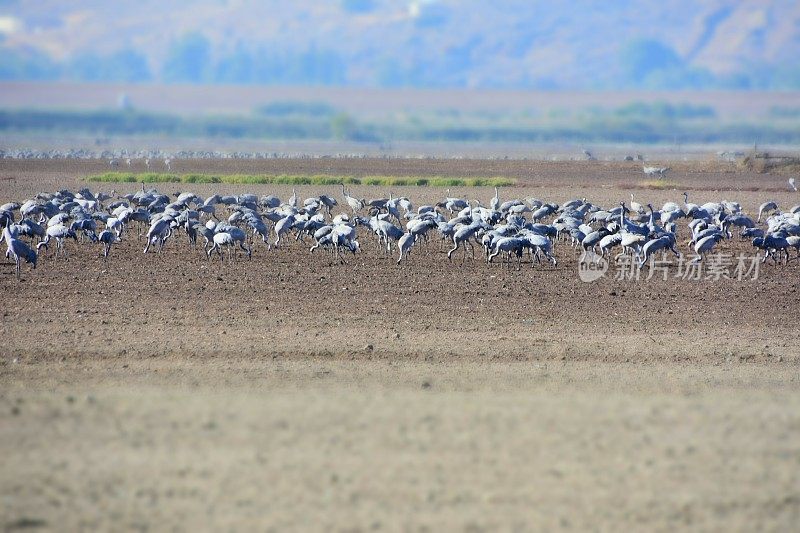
{"type": "Point", "coordinates": [792, 185]}
{"type": "Point", "coordinates": [124, 102]}
{"type": "Point", "coordinates": [730, 156]}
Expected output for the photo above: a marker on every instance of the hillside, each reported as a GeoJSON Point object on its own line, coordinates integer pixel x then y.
{"type": "Point", "coordinates": [446, 43]}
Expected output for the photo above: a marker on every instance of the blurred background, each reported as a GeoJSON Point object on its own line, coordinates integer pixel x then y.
{"type": "Point", "coordinates": [435, 77]}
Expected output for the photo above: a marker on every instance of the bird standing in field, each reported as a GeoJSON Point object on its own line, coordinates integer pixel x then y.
{"type": "Point", "coordinates": [355, 204]}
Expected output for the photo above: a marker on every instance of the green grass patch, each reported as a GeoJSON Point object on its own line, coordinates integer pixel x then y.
{"type": "Point", "coordinates": [659, 185]}
{"type": "Point", "coordinates": [286, 179]}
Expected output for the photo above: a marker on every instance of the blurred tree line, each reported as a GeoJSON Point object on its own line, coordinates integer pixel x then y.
{"type": "Point", "coordinates": [188, 60]}
{"type": "Point", "coordinates": [643, 64]}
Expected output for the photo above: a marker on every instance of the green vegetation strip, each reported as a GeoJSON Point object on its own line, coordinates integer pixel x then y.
{"type": "Point", "coordinates": [660, 185]}
{"type": "Point", "coordinates": [249, 179]}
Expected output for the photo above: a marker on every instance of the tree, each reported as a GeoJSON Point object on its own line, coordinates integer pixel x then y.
{"type": "Point", "coordinates": [123, 65]}
{"type": "Point", "coordinates": [27, 64]}
{"type": "Point", "coordinates": [128, 65]}
{"type": "Point", "coordinates": [237, 67]}
{"type": "Point", "coordinates": [343, 127]}
{"type": "Point", "coordinates": [188, 59]}
{"type": "Point", "coordinates": [642, 57]}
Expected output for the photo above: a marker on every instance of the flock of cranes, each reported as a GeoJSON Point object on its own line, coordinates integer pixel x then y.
{"type": "Point", "coordinates": [225, 224]}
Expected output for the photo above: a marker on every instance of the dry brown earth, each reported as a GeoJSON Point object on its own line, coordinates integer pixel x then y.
{"type": "Point", "coordinates": [168, 391]}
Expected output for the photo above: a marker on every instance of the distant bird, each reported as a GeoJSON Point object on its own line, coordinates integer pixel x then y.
{"type": "Point", "coordinates": [792, 185]}
{"type": "Point", "coordinates": [653, 171]}
{"type": "Point", "coordinates": [588, 155]}
{"type": "Point", "coordinates": [168, 164]}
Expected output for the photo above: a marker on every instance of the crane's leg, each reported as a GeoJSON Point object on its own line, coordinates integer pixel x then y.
{"type": "Point", "coordinates": [450, 253]}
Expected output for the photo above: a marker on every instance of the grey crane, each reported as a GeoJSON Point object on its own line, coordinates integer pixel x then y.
{"type": "Point", "coordinates": [766, 207]}
{"type": "Point", "coordinates": [463, 236]}
{"type": "Point", "coordinates": [108, 238]}
{"type": "Point", "coordinates": [509, 245]}
{"type": "Point", "coordinates": [772, 244]}
{"type": "Point", "coordinates": [494, 204]}
{"type": "Point", "coordinates": [665, 242]}
{"type": "Point", "coordinates": [705, 246]}
{"type": "Point", "coordinates": [404, 244]}
{"type": "Point", "coordinates": [19, 251]}
{"type": "Point", "coordinates": [355, 204]}
{"type": "Point", "coordinates": [59, 232]}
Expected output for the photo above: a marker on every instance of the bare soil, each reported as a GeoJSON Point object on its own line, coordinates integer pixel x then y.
{"type": "Point", "coordinates": [172, 392]}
